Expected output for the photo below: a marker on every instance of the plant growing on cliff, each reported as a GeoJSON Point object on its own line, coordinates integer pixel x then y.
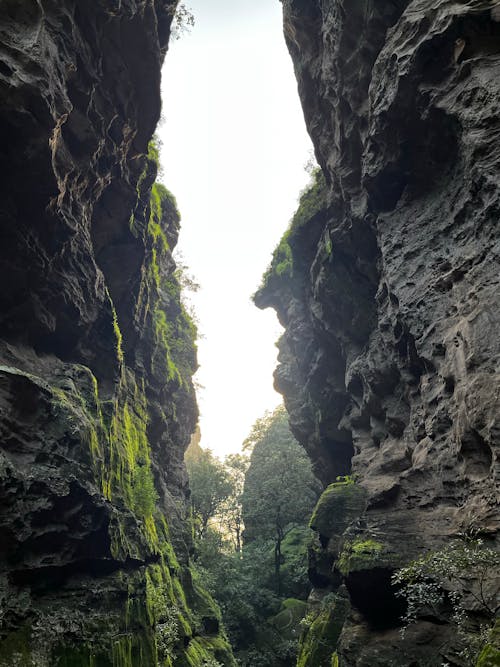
{"type": "Point", "coordinates": [144, 495]}
{"type": "Point", "coordinates": [183, 20]}
{"type": "Point", "coordinates": [460, 575]}
{"type": "Point", "coordinates": [167, 633]}
{"type": "Point", "coordinates": [312, 200]}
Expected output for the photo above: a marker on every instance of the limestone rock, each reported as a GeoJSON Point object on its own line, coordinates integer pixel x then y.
{"type": "Point", "coordinates": [389, 361]}
{"type": "Point", "coordinates": [96, 351]}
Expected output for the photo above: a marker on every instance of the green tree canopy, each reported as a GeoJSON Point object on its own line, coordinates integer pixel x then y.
{"type": "Point", "coordinates": [230, 516]}
{"type": "Point", "coordinates": [211, 485]}
{"type": "Point", "coordinates": [280, 489]}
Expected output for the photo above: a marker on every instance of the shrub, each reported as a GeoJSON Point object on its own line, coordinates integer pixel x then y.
{"type": "Point", "coordinates": [452, 575]}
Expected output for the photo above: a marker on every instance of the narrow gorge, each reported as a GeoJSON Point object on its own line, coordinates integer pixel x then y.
{"type": "Point", "coordinates": [386, 284]}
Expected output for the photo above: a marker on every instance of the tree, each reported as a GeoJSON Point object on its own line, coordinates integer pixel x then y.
{"type": "Point", "coordinates": [230, 515]}
{"type": "Point", "coordinates": [280, 489]}
{"type": "Point", "coordinates": [211, 485]}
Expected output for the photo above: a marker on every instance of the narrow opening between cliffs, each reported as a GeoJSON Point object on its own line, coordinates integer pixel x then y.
{"type": "Point", "coordinates": [265, 435]}
{"type": "Point", "coordinates": [235, 152]}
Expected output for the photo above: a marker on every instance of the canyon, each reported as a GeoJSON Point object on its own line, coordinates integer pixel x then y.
{"type": "Point", "coordinates": [386, 284]}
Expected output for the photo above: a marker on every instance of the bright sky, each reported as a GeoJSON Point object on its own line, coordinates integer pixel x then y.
{"type": "Point", "coordinates": [234, 149]}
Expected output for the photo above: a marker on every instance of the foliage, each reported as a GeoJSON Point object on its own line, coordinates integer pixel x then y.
{"type": "Point", "coordinates": [183, 20]}
{"type": "Point", "coordinates": [211, 486]}
{"type": "Point", "coordinates": [236, 582]}
{"type": "Point", "coordinates": [295, 557]}
{"type": "Point", "coordinates": [458, 576]}
{"type": "Point", "coordinates": [167, 633]}
{"type": "Point", "coordinates": [280, 488]}
{"type": "Point", "coordinates": [230, 513]}
{"type": "Point", "coordinates": [312, 200]}
{"type": "Point", "coordinates": [273, 489]}
{"type": "Point", "coordinates": [184, 276]}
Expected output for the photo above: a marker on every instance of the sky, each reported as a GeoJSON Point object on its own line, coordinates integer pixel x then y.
{"type": "Point", "coordinates": [234, 146]}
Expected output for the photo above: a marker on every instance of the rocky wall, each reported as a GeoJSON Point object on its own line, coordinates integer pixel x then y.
{"type": "Point", "coordinates": [387, 286]}
{"type": "Point", "coordinates": [96, 350]}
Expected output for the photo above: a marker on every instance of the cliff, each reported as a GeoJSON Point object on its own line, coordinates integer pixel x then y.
{"type": "Point", "coordinates": [97, 351]}
{"type": "Point", "coordinates": [387, 286]}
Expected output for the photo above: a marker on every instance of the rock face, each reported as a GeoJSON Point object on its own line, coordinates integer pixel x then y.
{"type": "Point", "coordinates": [387, 285]}
{"type": "Point", "coordinates": [96, 350]}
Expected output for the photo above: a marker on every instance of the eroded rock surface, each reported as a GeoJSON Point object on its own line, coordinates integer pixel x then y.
{"type": "Point", "coordinates": [96, 350]}
{"type": "Point", "coordinates": [389, 361]}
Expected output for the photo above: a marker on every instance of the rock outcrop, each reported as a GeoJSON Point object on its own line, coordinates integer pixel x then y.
{"type": "Point", "coordinates": [97, 351]}
{"type": "Point", "coordinates": [387, 284]}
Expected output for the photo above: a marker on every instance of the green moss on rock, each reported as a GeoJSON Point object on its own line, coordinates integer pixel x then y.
{"type": "Point", "coordinates": [338, 506]}
{"type": "Point", "coordinates": [360, 554]}
{"type": "Point", "coordinates": [287, 621]}
{"type": "Point", "coordinates": [142, 616]}
{"type": "Point", "coordinates": [311, 202]}
{"type": "Point", "coordinates": [490, 655]}
{"type": "Point", "coordinates": [319, 641]}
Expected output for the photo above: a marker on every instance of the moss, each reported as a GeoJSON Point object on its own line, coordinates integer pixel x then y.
{"type": "Point", "coordinates": [116, 330]}
{"type": "Point", "coordinates": [319, 641]}
{"type": "Point", "coordinates": [16, 648]}
{"type": "Point", "coordinates": [79, 657]}
{"type": "Point", "coordinates": [128, 475]}
{"type": "Point", "coordinates": [287, 621]}
{"type": "Point", "coordinates": [201, 599]}
{"type": "Point", "coordinates": [115, 449]}
{"type": "Point", "coordinates": [360, 554]}
{"type": "Point", "coordinates": [205, 649]}
{"type": "Point", "coordinates": [162, 361]}
{"type": "Point", "coordinates": [335, 660]}
{"type": "Point", "coordinates": [174, 356]}
{"type": "Point", "coordinates": [311, 202]}
{"type": "Point", "coordinates": [144, 496]}
{"type": "Point", "coordinates": [338, 505]}
{"type": "Point", "coordinates": [130, 650]}
{"type": "Point", "coordinates": [328, 247]}
{"type": "Point", "coordinates": [118, 336]}
{"type": "Point", "coordinates": [490, 655]}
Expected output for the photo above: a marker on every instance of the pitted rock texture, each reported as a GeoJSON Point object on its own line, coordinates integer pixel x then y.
{"type": "Point", "coordinates": [389, 361]}
{"type": "Point", "coordinates": [96, 350]}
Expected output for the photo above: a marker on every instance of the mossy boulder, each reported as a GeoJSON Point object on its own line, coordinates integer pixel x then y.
{"type": "Point", "coordinates": [319, 641]}
{"type": "Point", "coordinates": [287, 620]}
{"type": "Point", "coordinates": [360, 554]}
{"type": "Point", "coordinates": [338, 506]}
